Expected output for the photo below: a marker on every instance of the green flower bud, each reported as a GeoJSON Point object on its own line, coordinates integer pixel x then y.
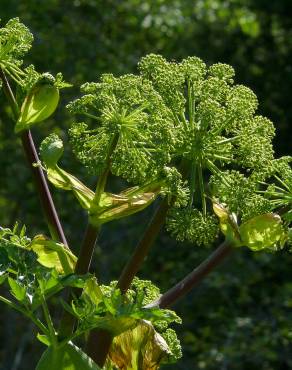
{"type": "Point", "coordinates": [51, 150]}
{"type": "Point", "coordinates": [39, 104]}
{"type": "Point", "coordinates": [263, 232]}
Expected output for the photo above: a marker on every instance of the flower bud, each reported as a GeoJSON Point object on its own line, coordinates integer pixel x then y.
{"type": "Point", "coordinates": [51, 150]}
{"type": "Point", "coordinates": [39, 104]}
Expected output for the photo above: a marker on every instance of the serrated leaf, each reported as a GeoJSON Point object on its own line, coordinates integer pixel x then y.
{"type": "Point", "coordinates": [22, 231]}
{"type": "Point", "coordinates": [17, 289]}
{"type": "Point", "coordinates": [53, 255]}
{"type": "Point", "coordinates": [263, 232]}
{"type": "Point", "coordinates": [67, 357]}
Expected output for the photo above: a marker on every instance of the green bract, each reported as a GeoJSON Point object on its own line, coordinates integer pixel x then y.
{"type": "Point", "coordinates": [40, 103]}
{"type": "Point", "coordinates": [265, 231]}
{"type": "Point", "coordinates": [106, 206]}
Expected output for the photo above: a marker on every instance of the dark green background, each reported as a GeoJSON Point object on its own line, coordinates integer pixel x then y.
{"type": "Point", "coordinates": [240, 316]}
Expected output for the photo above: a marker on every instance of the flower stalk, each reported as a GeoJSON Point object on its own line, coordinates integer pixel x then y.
{"type": "Point", "coordinates": [46, 199]}
{"type": "Point", "coordinates": [195, 277]}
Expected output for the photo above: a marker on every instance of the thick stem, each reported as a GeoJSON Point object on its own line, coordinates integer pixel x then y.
{"type": "Point", "coordinates": [87, 249]}
{"type": "Point", "coordinates": [82, 266]}
{"type": "Point", "coordinates": [195, 277]}
{"type": "Point", "coordinates": [135, 262]}
{"type": "Point", "coordinates": [40, 180]}
{"type": "Point", "coordinates": [98, 345]}
{"type": "Point", "coordinates": [99, 341]}
{"type": "Point", "coordinates": [47, 202]}
{"type": "Point", "coordinates": [91, 233]}
{"type": "Point", "coordinates": [88, 245]}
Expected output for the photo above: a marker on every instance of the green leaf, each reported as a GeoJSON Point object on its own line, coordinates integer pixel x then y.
{"type": "Point", "coordinates": [288, 216]}
{"type": "Point", "coordinates": [115, 325]}
{"type": "Point", "coordinates": [263, 232]}
{"type": "Point", "coordinates": [44, 339]}
{"type": "Point", "coordinates": [3, 277]}
{"type": "Point", "coordinates": [93, 290]}
{"type": "Point", "coordinates": [67, 357]}
{"type": "Point", "coordinates": [74, 281]}
{"type": "Point", "coordinates": [17, 289]}
{"type": "Point", "coordinates": [53, 255]}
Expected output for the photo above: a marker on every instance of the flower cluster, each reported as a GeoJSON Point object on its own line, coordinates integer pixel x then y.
{"type": "Point", "coordinates": [217, 135]}
{"type": "Point", "coordinates": [132, 125]}
{"type": "Point", "coordinates": [182, 113]}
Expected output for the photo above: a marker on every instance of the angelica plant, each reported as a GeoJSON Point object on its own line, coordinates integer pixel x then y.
{"type": "Point", "coordinates": [182, 134]}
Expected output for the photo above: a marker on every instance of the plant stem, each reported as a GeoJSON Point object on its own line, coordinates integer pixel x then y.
{"type": "Point", "coordinates": [195, 277]}
{"type": "Point", "coordinates": [88, 245]}
{"type": "Point", "coordinates": [26, 313]}
{"type": "Point", "coordinates": [82, 266]}
{"type": "Point", "coordinates": [99, 341]}
{"type": "Point", "coordinates": [40, 180]}
{"type": "Point", "coordinates": [201, 186]}
{"type": "Point", "coordinates": [49, 322]}
{"type": "Point", "coordinates": [137, 258]}
{"type": "Point", "coordinates": [98, 345]}
{"type": "Point", "coordinates": [87, 249]}
{"type": "Point", "coordinates": [47, 202]}
{"type": "Point", "coordinates": [91, 233]}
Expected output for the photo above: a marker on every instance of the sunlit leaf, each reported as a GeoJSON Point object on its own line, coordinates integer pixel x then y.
{"type": "Point", "coordinates": [44, 339]}
{"type": "Point", "coordinates": [93, 290]}
{"type": "Point", "coordinates": [53, 255]}
{"type": "Point", "coordinates": [17, 289]}
{"type": "Point", "coordinates": [67, 357]}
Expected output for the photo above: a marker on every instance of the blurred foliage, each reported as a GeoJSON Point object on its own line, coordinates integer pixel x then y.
{"type": "Point", "coordinates": [240, 317]}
